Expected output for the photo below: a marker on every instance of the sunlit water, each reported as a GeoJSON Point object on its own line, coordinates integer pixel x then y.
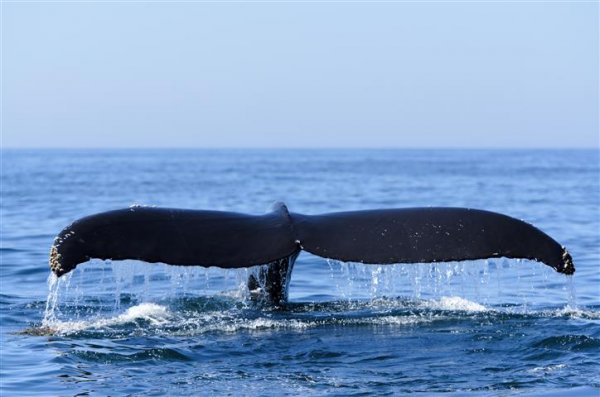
{"type": "Point", "coordinates": [495, 327]}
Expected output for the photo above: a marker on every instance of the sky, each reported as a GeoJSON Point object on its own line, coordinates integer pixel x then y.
{"type": "Point", "coordinates": [300, 74]}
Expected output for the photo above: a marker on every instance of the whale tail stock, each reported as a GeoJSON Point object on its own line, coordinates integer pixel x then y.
{"type": "Point", "coordinates": [234, 240]}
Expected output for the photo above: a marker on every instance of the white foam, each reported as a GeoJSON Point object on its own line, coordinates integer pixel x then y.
{"type": "Point", "coordinates": [455, 303]}
{"type": "Point", "coordinates": [221, 322]}
{"type": "Point", "coordinates": [151, 312]}
{"type": "Point", "coordinates": [389, 320]}
{"type": "Point", "coordinates": [549, 368]}
{"type": "Point", "coordinates": [262, 323]}
{"type": "Point", "coordinates": [232, 325]}
{"type": "Point", "coordinates": [575, 312]}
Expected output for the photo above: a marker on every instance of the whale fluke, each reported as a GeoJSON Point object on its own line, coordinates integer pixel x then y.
{"type": "Point", "coordinates": [175, 237]}
{"type": "Point", "coordinates": [420, 235]}
{"type": "Point", "coordinates": [234, 240]}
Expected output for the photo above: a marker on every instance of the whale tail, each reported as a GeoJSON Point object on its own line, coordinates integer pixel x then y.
{"type": "Point", "coordinates": [234, 240]}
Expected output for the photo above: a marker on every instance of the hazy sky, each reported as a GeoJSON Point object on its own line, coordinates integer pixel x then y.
{"type": "Point", "coordinates": [405, 74]}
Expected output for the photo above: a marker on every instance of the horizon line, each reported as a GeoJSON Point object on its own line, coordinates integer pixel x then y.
{"type": "Point", "coordinates": [300, 148]}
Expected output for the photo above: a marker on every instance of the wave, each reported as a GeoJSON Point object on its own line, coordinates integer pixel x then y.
{"type": "Point", "coordinates": [224, 314]}
{"type": "Point", "coordinates": [569, 342]}
{"type": "Point", "coordinates": [151, 313]}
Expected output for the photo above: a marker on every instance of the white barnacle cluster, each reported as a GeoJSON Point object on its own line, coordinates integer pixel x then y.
{"type": "Point", "coordinates": [59, 240]}
{"type": "Point", "coordinates": [55, 256]}
{"type": "Point", "coordinates": [568, 266]}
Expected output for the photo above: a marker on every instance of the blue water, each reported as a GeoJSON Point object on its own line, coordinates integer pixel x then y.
{"type": "Point", "coordinates": [497, 327]}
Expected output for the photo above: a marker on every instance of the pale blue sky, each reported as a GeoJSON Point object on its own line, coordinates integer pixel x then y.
{"type": "Point", "coordinates": [406, 74]}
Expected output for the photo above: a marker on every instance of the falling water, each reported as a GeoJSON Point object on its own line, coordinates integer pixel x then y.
{"type": "Point", "coordinates": [115, 287]}
{"type": "Point", "coordinates": [571, 293]}
{"type": "Point", "coordinates": [493, 282]}
{"type": "Point", "coordinates": [119, 286]}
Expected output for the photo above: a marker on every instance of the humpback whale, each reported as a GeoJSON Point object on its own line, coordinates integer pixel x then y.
{"type": "Point", "coordinates": [234, 240]}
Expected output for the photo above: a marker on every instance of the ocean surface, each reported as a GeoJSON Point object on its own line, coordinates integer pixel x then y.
{"type": "Point", "coordinates": [474, 328]}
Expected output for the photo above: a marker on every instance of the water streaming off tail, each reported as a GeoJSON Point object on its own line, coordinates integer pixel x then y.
{"type": "Point", "coordinates": [103, 288]}
{"type": "Point", "coordinates": [490, 282]}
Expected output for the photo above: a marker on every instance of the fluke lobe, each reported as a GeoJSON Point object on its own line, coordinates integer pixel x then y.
{"type": "Point", "coordinates": [234, 240]}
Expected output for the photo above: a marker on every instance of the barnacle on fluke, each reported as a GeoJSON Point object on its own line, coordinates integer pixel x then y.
{"type": "Point", "coordinates": [234, 240]}
{"type": "Point", "coordinates": [55, 265]}
{"type": "Point", "coordinates": [568, 266]}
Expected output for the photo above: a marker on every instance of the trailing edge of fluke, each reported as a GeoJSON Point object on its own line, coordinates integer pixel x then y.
{"type": "Point", "coordinates": [234, 240]}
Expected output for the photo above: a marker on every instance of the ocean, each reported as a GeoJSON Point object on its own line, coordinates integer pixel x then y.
{"type": "Point", "coordinates": [473, 328]}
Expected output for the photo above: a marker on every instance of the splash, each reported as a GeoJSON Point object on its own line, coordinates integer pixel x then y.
{"type": "Point", "coordinates": [455, 303]}
{"type": "Point", "coordinates": [103, 287]}
{"type": "Point", "coordinates": [104, 295]}
{"type": "Point", "coordinates": [488, 282]}
{"type": "Point", "coordinates": [54, 286]}
{"type": "Point", "coordinates": [150, 318]}
{"type": "Point", "coordinates": [153, 314]}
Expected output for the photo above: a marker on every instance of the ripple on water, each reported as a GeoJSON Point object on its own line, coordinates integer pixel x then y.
{"type": "Point", "coordinates": [137, 356]}
{"type": "Point", "coordinates": [573, 343]}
